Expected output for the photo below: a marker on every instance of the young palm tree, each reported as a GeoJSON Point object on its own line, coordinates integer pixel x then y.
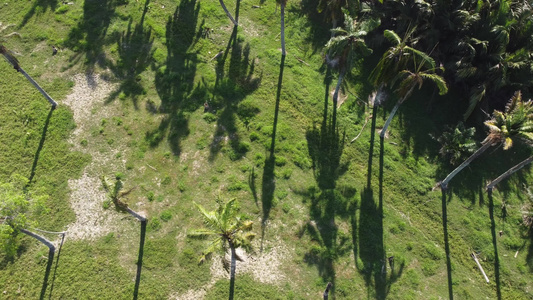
{"type": "Point", "coordinates": [228, 13]}
{"type": "Point", "coordinates": [343, 49]}
{"type": "Point", "coordinates": [227, 229]}
{"type": "Point", "coordinates": [515, 122]}
{"type": "Point", "coordinates": [10, 58]}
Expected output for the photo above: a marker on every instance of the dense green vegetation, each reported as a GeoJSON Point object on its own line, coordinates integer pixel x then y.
{"type": "Point", "coordinates": [180, 106]}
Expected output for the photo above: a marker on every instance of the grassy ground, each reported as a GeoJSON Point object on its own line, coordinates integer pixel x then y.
{"type": "Point", "coordinates": [325, 210]}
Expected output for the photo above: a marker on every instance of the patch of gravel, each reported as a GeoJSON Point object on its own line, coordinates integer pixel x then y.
{"type": "Point", "coordinates": [86, 101]}
{"type": "Point", "coordinates": [92, 220]}
{"type": "Point", "coordinates": [89, 92]}
{"type": "Point", "coordinates": [264, 267]}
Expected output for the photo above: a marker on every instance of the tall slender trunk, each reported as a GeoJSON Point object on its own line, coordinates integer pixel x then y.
{"type": "Point", "coordinates": [393, 113]}
{"type": "Point", "coordinates": [444, 183]}
{"type": "Point", "coordinates": [228, 13]}
{"type": "Point", "coordinates": [336, 97]}
{"type": "Point", "coordinates": [509, 172]}
{"type": "Point", "coordinates": [38, 87]}
{"type": "Point", "coordinates": [135, 214]}
{"type": "Point", "coordinates": [283, 29]}
{"type": "Point", "coordinates": [232, 270]}
{"type": "Point", "coordinates": [334, 22]}
{"type": "Point", "coordinates": [40, 239]}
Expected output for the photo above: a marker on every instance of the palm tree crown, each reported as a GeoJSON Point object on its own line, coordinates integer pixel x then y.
{"type": "Point", "coordinates": [225, 227]}
{"type": "Point", "coordinates": [516, 121]}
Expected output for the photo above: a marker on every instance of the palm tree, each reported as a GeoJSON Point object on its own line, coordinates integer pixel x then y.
{"type": "Point", "coordinates": [227, 229]}
{"type": "Point", "coordinates": [343, 49]}
{"type": "Point", "coordinates": [396, 64]}
{"type": "Point", "coordinates": [10, 58]}
{"type": "Point", "coordinates": [228, 13]}
{"type": "Point", "coordinates": [408, 83]}
{"type": "Point", "coordinates": [515, 122]}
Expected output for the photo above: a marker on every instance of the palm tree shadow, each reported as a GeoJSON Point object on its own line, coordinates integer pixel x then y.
{"type": "Point", "coordinates": [89, 36]}
{"type": "Point", "coordinates": [446, 244]}
{"type": "Point", "coordinates": [174, 80]}
{"type": "Point", "coordinates": [140, 259]}
{"type": "Point", "coordinates": [49, 264]}
{"type": "Point", "coordinates": [495, 245]}
{"type": "Point", "coordinates": [135, 53]}
{"type": "Point", "coordinates": [39, 6]}
{"type": "Point", "coordinates": [268, 185]}
{"type": "Point", "coordinates": [325, 147]}
{"type": "Point", "coordinates": [230, 89]}
{"type": "Point", "coordinates": [40, 147]}
{"type": "Point", "coordinates": [55, 268]}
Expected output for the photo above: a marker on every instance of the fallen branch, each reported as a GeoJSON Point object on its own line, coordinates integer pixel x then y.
{"type": "Point", "coordinates": [302, 61]}
{"type": "Point", "coordinates": [479, 266]}
{"type": "Point", "coordinates": [366, 121]}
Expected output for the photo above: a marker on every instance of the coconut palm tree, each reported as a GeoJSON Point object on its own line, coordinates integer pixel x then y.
{"type": "Point", "coordinates": [227, 230]}
{"type": "Point", "coordinates": [515, 122]}
{"type": "Point", "coordinates": [410, 80]}
{"type": "Point", "coordinates": [228, 13]}
{"type": "Point", "coordinates": [345, 47]}
{"type": "Point", "coordinates": [10, 58]}
{"type": "Point", "coordinates": [409, 66]}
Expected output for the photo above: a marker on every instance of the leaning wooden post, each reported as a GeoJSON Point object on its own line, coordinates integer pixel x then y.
{"type": "Point", "coordinates": [479, 266]}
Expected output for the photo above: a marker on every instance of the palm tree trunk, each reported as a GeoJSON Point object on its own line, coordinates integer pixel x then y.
{"type": "Point", "coordinates": [232, 270]}
{"type": "Point", "coordinates": [135, 214]}
{"type": "Point", "coordinates": [387, 123]}
{"type": "Point", "coordinates": [228, 13]}
{"type": "Point", "coordinates": [36, 85]}
{"type": "Point", "coordinates": [509, 172]}
{"type": "Point", "coordinates": [40, 239]}
{"type": "Point", "coordinates": [336, 97]}
{"type": "Point", "coordinates": [393, 113]}
{"type": "Point", "coordinates": [283, 29]}
{"type": "Point", "coordinates": [334, 22]}
{"type": "Point", "coordinates": [444, 183]}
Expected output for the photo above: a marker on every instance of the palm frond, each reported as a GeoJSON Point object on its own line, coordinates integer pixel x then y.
{"type": "Point", "coordinates": [476, 96]}
{"type": "Point", "coordinates": [392, 36]}
{"type": "Point", "coordinates": [438, 80]}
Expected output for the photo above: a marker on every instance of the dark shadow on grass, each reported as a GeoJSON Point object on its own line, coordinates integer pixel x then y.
{"type": "Point", "coordinates": [49, 264]}
{"type": "Point", "coordinates": [325, 147]}
{"type": "Point", "coordinates": [495, 245]}
{"type": "Point", "coordinates": [135, 51]}
{"type": "Point", "coordinates": [57, 264]}
{"type": "Point", "coordinates": [89, 36]}
{"type": "Point", "coordinates": [268, 185]}
{"type": "Point", "coordinates": [252, 185]}
{"type": "Point", "coordinates": [447, 245]}
{"type": "Point", "coordinates": [230, 90]}
{"type": "Point", "coordinates": [38, 7]}
{"type": "Point", "coordinates": [140, 259]}
{"type": "Point", "coordinates": [40, 147]}
{"type": "Point", "coordinates": [174, 79]}
{"type": "Point", "coordinates": [319, 29]}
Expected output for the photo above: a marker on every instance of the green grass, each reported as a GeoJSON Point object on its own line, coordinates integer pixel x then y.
{"type": "Point", "coordinates": [314, 189]}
